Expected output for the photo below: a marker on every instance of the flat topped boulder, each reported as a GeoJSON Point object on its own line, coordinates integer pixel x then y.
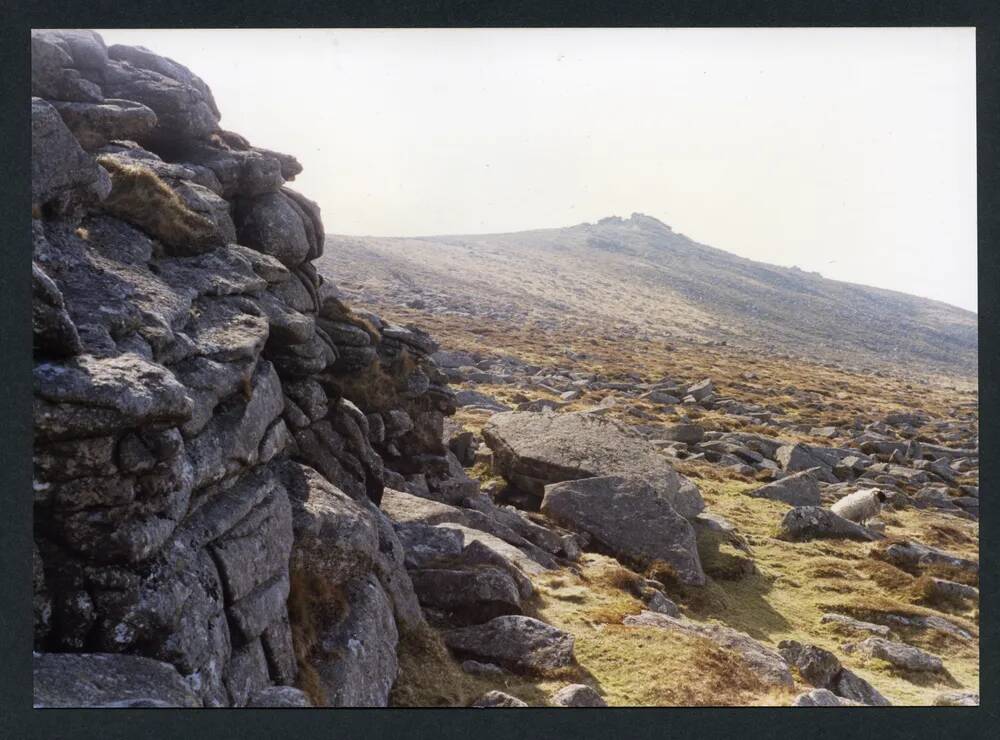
{"type": "Point", "coordinates": [532, 450]}
{"type": "Point", "coordinates": [515, 642]}
{"type": "Point", "coordinates": [630, 518]}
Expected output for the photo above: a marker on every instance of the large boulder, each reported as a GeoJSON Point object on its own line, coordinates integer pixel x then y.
{"type": "Point", "coordinates": [519, 643]}
{"type": "Point", "coordinates": [629, 517]}
{"type": "Point", "coordinates": [532, 450]}
{"type": "Point", "coordinates": [532, 562]}
{"type": "Point", "coordinates": [702, 389]}
{"type": "Point", "coordinates": [799, 489]}
{"type": "Point", "coordinates": [851, 686]}
{"type": "Point", "coordinates": [816, 665]}
{"type": "Point", "coordinates": [84, 48]}
{"type": "Point", "coordinates": [427, 544]}
{"type": "Point", "coordinates": [272, 224]}
{"type": "Point", "coordinates": [240, 173]}
{"type": "Point", "coordinates": [143, 58]}
{"type": "Point", "coordinates": [406, 508]}
{"type": "Point", "coordinates": [468, 595]}
{"type": "Point", "coordinates": [107, 680]}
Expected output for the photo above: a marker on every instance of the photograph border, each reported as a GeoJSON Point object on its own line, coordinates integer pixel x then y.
{"type": "Point", "coordinates": [18, 720]}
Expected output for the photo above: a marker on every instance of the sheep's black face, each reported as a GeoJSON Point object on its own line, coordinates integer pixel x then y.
{"type": "Point", "coordinates": [881, 496]}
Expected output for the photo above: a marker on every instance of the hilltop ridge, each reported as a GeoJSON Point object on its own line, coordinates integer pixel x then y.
{"type": "Point", "coordinates": [640, 276]}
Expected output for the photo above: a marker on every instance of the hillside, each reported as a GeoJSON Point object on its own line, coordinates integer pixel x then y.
{"type": "Point", "coordinates": [640, 277]}
{"type": "Point", "coordinates": [773, 429]}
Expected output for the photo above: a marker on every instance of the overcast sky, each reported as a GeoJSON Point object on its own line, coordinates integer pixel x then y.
{"type": "Point", "coordinates": [846, 151]}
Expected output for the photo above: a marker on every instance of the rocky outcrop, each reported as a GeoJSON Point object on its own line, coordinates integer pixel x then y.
{"type": "Point", "coordinates": [211, 420]}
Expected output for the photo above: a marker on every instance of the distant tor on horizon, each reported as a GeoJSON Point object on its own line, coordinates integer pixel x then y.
{"type": "Point", "coordinates": [638, 277]}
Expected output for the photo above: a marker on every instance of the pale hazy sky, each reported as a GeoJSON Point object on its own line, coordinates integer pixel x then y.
{"type": "Point", "coordinates": [847, 151]}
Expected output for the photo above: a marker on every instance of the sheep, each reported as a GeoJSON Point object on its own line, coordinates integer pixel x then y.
{"type": "Point", "coordinates": [860, 506]}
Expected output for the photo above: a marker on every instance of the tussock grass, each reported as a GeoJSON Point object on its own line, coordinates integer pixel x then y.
{"type": "Point", "coordinates": [313, 605]}
{"type": "Point", "coordinates": [624, 579]}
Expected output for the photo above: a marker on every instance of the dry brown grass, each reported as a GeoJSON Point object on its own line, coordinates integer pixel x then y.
{"type": "Point", "coordinates": [377, 388]}
{"type": "Point", "coordinates": [428, 674]}
{"type": "Point", "coordinates": [313, 605]}
{"type": "Point", "coordinates": [624, 579]}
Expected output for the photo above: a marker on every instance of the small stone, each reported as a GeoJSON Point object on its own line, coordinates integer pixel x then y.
{"type": "Point", "coordinates": [578, 695]}
{"type": "Point", "coordinates": [498, 700]}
